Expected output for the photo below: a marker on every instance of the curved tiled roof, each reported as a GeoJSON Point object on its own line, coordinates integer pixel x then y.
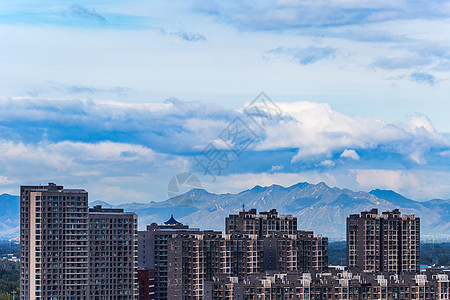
{"type": "Point", "coordinates": [172, 221]}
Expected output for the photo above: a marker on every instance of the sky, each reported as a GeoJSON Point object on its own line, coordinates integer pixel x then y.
{"type": "Point", "coordinates": [119, 97]}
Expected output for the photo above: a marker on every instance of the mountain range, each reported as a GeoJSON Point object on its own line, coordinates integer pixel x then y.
{"type": "Point", "coordinates": [317, 207]}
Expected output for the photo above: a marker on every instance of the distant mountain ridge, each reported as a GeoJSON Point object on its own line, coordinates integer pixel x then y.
{"type": "Point", "coordinates": [9, 216]}
{"type": "Point", "coordinates": [317, 207]}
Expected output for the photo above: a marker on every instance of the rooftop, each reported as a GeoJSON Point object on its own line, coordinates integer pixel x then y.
{"type": "Point", "coordinates": [172, 221]}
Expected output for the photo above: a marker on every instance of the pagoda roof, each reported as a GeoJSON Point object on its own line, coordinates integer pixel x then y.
{"type": "Point", "coordinates": [172, 221]}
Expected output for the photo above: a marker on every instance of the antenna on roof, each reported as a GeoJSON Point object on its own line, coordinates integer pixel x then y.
{"type": "Point", "coordinates": [243, 207]}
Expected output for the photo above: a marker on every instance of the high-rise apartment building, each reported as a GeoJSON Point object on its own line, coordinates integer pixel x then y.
{"type": "Point", "coordinates": [184, 258]}
{"type": "Point", "coordinates": [241, 255]}
{"type": "Point", "coordinates": [280, 253]}
{"type": "Point", "coordinates": [146, 279]}
{"type": "Point", "coordinates": [54, 246]}
{"type": "Point", "coordinates": [389, 242]}
{"type": "Point", "coordinates": [312, 252]}
{"type": "Point", "coordinates": [112, 254]}
{"type": "Point", "coordinates": [263, 224]}
{"type": "Point", "coordinates": [285, 247]}
{"type": "Point", "coordinates": [192, 259]}
{"type": "Point", "coordinates": [67, 255]}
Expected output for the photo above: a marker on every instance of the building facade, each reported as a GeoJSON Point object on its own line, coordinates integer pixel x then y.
{"type": "Point", "coordinates": [241, 255]}
{"type": "Point", "coordinates": [54, 243]}
{"type": "Point", "coordinates": [332, 285]}
{"type": "Point", "coordinates": [65, 256]}
{"type": "Point", "coordinates": [184, 258]}
{"type": "Point", "coordinates": [112, 254]}
{"type": "Point", "coordinates": [389, 242]}
{"type": "Point", "coordinates": [263, 224]}
{"type": "Point", "coordinates": [146, 283]}
{"type": "Point", "coordinates": [285, 247]}
{"type": "Point", "coordinates": [181, 257]}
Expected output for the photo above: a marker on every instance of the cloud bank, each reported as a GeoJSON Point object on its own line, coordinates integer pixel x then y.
{"type": "Point", "coordinates": [111, 144]}
{"type": "Point", "coordinates": [289, 14]}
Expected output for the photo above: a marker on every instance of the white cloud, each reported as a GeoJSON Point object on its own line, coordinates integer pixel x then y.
{"type": "Point", "coordinates": [327, 163]}
{"type": "Point", "coordinates": [4, 180]}
{"type": "Point", "coordinates": [47, 160]}
{"type": "Point", "coordinates": [350, 154]}
{"type": "Point", "coordinates": [84, 141]}
{"type": "Point", "coordinates": [421, 125]}
{"type": "Point", "coordinates": [417, 157]}
{"type": "Point", "coordinates": [114, 194]}
{"type": "Point", "coordinates": [445, 153]}
{"type": "Point", "coordinates": [318, 131]}
{"type": "Point", "coordinates": [415, 184]}
{"type": "Point", "coordinates": [112, 172]}
{"type": "Point", "coordinates": [387, 179]}
{"type": "Point", "coordinates": [276, 168]}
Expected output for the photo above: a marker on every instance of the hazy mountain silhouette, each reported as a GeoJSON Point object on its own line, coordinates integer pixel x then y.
{"type": "Point", "coordinates": [318, 207]}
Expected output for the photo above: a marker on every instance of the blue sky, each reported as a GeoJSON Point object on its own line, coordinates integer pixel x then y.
{"type": "Point", "coordinates": [118, 97]}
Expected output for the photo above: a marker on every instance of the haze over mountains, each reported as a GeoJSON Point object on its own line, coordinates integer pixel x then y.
{"type": "Point", "coordinates": [318, 207]}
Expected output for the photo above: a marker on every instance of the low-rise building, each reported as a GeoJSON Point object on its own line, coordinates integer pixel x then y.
{"type": "Point", "coordinates": [333, 285]}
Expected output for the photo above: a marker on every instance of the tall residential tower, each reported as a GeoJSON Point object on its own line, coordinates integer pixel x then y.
{"type": "Point", "coordinates": [389, 242]}
{"type": "Point", "coordinates": [112, 254]}
{"type": "Point", "coordinates": [70, 253]}
{"type": "Point", "coordinates": [54, 254]}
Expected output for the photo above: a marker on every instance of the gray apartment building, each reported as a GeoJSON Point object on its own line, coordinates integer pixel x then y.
{"type": "Point", "coordinates": [54, 243]}
{"type": "Point", "coordinates": [112, 254]}
{"type": "Point", "coordinates": [263, 224]}
{"type": "Point", "coordinates": [57, 256]}
{"type": "Point", "coordinates": [312, 252]}
{"type": "Point", "coordinates": [285, 247]}
{"type": "Point", "coordinates": [182, 258]}
{"type": "Point", "coordinates": [389, 242]}
{"type": "Point", "coordinates": [241, 255]}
